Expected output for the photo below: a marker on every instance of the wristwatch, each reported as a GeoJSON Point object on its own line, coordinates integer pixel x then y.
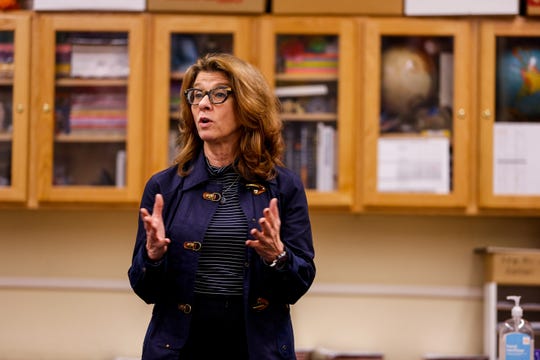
{"type": "Point", "coordinates": [279, 261]}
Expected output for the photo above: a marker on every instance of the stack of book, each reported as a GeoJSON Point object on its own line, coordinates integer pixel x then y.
{"type": "Point", "coordinates": [312, 63]}
{"type": "Point", "coordinates": [6, 60]}
{"type": "Point", "coordinates": [98, 112]}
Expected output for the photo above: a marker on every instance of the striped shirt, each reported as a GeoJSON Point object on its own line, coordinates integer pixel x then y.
{"type": "Point", "coordinates": [221, 261]}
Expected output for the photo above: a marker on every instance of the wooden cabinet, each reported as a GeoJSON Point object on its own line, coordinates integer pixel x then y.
{"type": "Point", "coordinates": [15, 28]}
{"type": "Point", "coordinates": [380, 113]}
{"type": "Point", "coordinates": [177, 42]}
{"type": "Point", "coordinates": [310, 61]}
{"type": "Point", "coordinates": [89, 101]}
{"type": "Point", "coordinates": [416, 115]}
{"type": "Point", "coordinates": [509, 175]}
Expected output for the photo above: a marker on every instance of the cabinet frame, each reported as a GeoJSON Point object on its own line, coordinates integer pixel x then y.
{"type": "Point", "coordinates": [459, 197]}
{"type": "Point", "coordinates": [345, 29]}
{"type": "Point", "coordinates": [162, 28]}
{"type": "Point", "coordinates": [489, 31]}
{"type": "Point", "coordinates": [47, 25]}
{"type": "Point", "coordinates": [20, 23]}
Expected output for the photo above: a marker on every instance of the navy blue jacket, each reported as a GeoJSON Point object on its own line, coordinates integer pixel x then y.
{"type": "Point", "coordinates": [268, 292]}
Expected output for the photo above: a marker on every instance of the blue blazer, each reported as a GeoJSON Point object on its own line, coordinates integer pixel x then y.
{"type": "Point", "coordinates": [268, 292]}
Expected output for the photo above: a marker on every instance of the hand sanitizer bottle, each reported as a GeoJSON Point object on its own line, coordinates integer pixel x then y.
{"type": "Point", "coordinates": [516, 336]}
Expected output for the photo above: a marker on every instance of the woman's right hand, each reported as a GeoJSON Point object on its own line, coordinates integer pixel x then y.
{"type": "Point", "coordinates": [156, 242]}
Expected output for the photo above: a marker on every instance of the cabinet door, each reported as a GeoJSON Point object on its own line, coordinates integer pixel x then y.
{"type": "Point", "coordinates": [90, 101]}
{"type": "Point", "coordinates": [510, 115]}
{"type": "Point", "coordinates": [416, 123]}
{"type": "Point", "coordinates": [310, 63]}
{"type": "Point", "coordinates": [177, 42]}
{"type": "Point", "coordinates": [14, 105]}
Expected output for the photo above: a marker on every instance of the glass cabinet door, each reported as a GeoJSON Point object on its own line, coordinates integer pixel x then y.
{"type": "Point", "coordinates": [417, 92]}
{"type": "Point", "coordinates": [14, 106]}
{"type": "Point", "coordinates": [510, 115]}
{"type": "Point", "coordinates": [91, 106]}
{"type": "Point", "coordinates": [176, 44]}
{"type": "Point", "coordinates": [309, 62]}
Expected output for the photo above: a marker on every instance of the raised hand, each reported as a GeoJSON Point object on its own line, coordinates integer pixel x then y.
{"type": "Point", "coordinates": [156, 242]}
{"type": "Point", "coordinates": [268, 242]}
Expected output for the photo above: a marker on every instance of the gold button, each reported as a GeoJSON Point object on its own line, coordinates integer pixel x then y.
{"type": "Point", "coordinates": [185, 308]}
{"type": "Point", "coordinates": [192, 245]}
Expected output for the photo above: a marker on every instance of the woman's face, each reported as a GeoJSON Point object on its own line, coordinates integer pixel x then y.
{"type": "Point", "coordinates": [216, 123]}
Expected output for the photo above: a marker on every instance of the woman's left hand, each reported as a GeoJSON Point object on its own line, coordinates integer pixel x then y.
{"type": "Point", "coordinates": [267, 241]}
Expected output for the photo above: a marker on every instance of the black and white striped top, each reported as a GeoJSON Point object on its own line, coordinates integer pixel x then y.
{"type": "Point", "coordinates": [221, 261]}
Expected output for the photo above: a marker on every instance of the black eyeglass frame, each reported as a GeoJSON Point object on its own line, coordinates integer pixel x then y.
{"type": "Point", "coordinates": [210, 93]}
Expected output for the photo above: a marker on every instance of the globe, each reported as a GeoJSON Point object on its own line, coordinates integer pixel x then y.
{"type": "Point", "coordinates": [407, 79]}
{"type": "Point", "coordinates": [518, 84]}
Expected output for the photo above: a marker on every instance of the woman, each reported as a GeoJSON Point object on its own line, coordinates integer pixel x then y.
{"type": "Point", "coordinates": [227, 245]}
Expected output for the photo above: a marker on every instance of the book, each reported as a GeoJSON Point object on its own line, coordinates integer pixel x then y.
{"type": "Point", "coordinates": [326, 156]}
{"type": "Point", "coordinates": [446, 79]}
{"type": "Point", "coordinates": [120, 168]}
{"type": "Point", "coordinates": [300, 151]}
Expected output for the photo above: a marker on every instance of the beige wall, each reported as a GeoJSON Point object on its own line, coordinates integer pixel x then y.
{"type": "Point", "coordinates": [401, 285]}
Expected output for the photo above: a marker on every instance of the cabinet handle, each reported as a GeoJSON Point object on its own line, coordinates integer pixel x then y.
{"type": "Point", "coordinates": [46, 108]}
{"type": "Point", "coordinates": [461, 113]}
{"type": "Point", "coordinates": [20, 108]}
{"type": "Point", "coordinates": [486, 114]}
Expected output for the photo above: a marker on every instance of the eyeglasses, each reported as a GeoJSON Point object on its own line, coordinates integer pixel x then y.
{"type": "Point", "coordinates": [216, 96]}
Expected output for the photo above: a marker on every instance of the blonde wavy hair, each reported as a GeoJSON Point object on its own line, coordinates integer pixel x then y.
{"type": "Point", "coordinates": [256, 108]}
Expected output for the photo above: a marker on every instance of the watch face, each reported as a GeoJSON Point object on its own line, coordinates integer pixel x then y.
{"type": "Point", "coordinates": [281, 259]}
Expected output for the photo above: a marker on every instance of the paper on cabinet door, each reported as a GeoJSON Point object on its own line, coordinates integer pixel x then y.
{"type": "Point", "coordinates": [420, 164]}
{"type": "Point", "coordinates": [516, 159]}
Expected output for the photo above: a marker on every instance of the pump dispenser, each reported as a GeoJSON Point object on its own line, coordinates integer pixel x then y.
{"type": "Point", "coordinates": [516, 336]}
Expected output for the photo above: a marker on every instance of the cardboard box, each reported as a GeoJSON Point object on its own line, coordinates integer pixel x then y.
{"type": "Point", "coordinates": [93, 5]}
{"type": "Point", "coordinates": [509, 266]}
{"type": "Point", "coordinates": [99, 61]}
{"type": "Point", "coordinates": [209, 6]}
{"type": "Point", "coordinates": [337, 7]}
{"type": "Point", "coordinates": [330, 354]}
{"type": "Point", "coordinates": [461, 7]}
{"type": "Point", "coordinates": [533, 7]}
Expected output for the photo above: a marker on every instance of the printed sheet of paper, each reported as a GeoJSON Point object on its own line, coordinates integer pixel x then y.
{"type": "Point", "coordinates": [414, 165]}
{"type": "Point", "coordinates": [516, 159]}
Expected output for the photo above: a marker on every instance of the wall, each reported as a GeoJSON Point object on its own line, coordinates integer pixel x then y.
{"type": "Point", "coordinates": [401, 285]}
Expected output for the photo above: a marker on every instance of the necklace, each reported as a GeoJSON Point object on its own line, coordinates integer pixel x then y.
{"type": "Point", "coordinates": [223, 199]}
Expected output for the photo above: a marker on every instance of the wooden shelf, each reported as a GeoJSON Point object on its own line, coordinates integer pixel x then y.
{"type": "Point", "coordinates": [6, 137]}
{"type": "Point", "coordinates": [309, 117]}
{"type": "Point", "coordinates": [86, 137]}
{"type": "Point", "coordinates": [6, 81]}
{"type": "Point", "coordinates": [307, 77]}
{"type": "Point", "coordinates": [93, 82]}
